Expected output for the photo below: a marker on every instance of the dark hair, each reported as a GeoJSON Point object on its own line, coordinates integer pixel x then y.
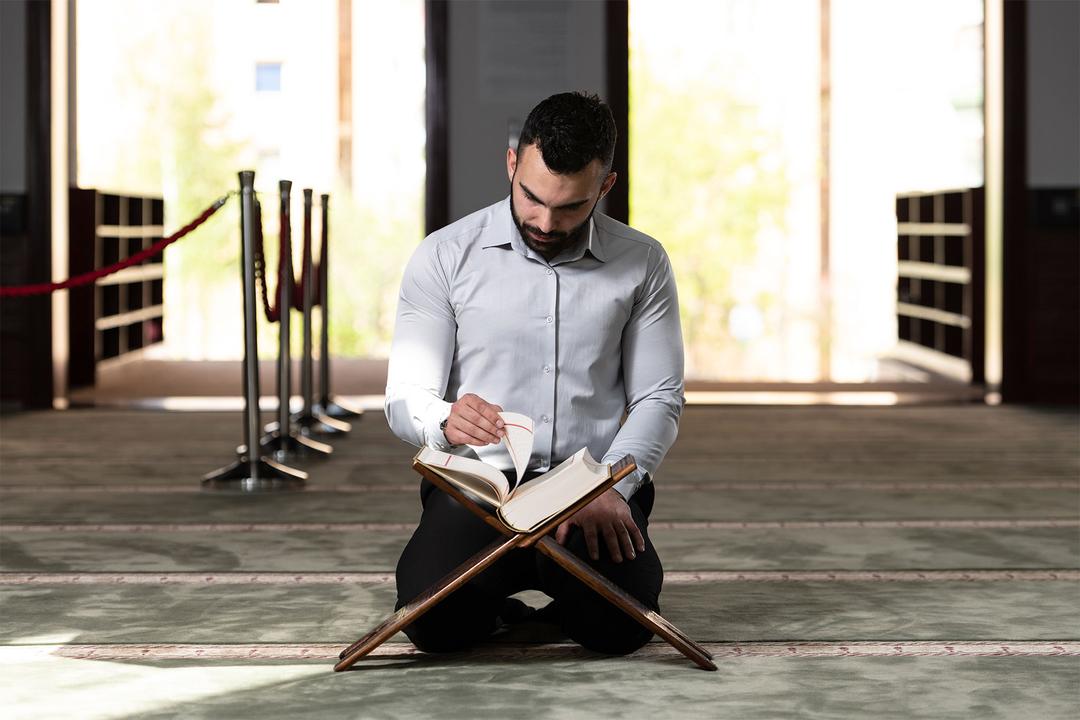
{"type": "Point", "coordinates": [571, 130]}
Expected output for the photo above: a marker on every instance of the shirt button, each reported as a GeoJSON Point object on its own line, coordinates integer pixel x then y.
{"type": "Point", "coordinates": [547, 369]}
{"type": "Point", "coordinates": [545, 418]}
{"type": "Point", "coordinates": [549, 271]}
{"type": "Point", "coordinates": [549, 319]}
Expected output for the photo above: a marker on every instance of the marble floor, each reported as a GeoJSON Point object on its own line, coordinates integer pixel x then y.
{"type": "Point", "coordinates": [912, 561]}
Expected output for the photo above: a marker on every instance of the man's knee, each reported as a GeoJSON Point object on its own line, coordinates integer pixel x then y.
{"type": "Point", "coordinates": [448, 629]}
{"type": "Point", "coordinates": [594, 622]}
{"type": "Point", "coordinates": [616, 633]}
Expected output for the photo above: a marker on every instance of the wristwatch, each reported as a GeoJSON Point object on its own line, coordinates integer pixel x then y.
{"type": "Point", "coordinates": [442, 429]}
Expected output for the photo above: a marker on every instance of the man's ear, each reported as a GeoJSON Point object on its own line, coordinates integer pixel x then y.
{"type": "Point", "coordinates": [609, 182]}
{"type": "Point", "coordinates": [511, 163]}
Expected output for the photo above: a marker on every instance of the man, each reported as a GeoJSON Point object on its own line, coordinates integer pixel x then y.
{"type": "Point", "coordinates": [541, 306]}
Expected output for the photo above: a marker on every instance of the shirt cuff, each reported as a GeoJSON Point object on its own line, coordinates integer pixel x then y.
{"type": "Point", "coordinates": [630, 484]}
{"type": "Point", "coordinates": [434, 437]}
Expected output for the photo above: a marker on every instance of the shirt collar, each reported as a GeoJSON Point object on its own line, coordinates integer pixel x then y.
{"type": "Point", "coordinates": [508, 234]}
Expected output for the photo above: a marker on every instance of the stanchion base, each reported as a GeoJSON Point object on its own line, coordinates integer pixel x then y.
{"type": "Point", "coordinates": [332, 407]}
{"type": "Point", "coordinates": [264, 475]}
{"type": "Point", "coordinates": [315, 424]}
{"type": "Point", "coordinates": [292, 446]}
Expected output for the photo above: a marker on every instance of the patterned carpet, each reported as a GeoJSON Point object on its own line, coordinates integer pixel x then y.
{"type": "Point", "coordinates": [907, 561]}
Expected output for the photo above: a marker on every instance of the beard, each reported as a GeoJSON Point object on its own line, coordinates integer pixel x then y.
{"type": "Point", "coordinates": [556, 241]}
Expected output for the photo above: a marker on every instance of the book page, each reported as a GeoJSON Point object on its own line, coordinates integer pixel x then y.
{"type": "Point", "coordinates": [518, 440]}
{"type": "Point", "coordinates": [474, 476]}
{"type": "Point", "coordinates": [554, 491]}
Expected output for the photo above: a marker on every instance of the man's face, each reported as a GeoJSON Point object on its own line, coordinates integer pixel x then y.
{"type": "Point", "coordinates": [552, 211]}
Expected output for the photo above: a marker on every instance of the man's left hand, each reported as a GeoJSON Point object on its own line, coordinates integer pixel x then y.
{"type": "Point", "coordinates": [607, 515]}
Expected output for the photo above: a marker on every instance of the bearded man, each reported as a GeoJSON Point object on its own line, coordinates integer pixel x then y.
{"type": "Point", "coordinates": [542, 306]}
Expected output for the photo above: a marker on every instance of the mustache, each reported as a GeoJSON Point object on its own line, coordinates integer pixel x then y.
{"type": "Point", "coordinates": [557, 235]}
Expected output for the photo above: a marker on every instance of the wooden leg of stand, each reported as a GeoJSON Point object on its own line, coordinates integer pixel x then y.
{"type": "Point", "coordinates": [435, 594]}
{"type": "Point", "coordinates": [627, 603]}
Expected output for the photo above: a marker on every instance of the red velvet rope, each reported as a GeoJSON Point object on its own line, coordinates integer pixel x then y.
{"type": "Point", "coordinates": [272, 304]}
{"type": "Point", "coordinates": [87, 278]}
{"type": "Point", "coordinates": [269, 310]}
{"type": "Point", "coordinates": [315, 275]}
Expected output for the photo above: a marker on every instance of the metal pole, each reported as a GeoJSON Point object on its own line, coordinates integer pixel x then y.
{"type": "Point", "coordinates": [251, 349]}
{"type": "Point", "coordinates": [311, 420]}
{"type": "Point", "coordinates": [251, 472]}
{"type": "Point", "coordinates": [306, 368]}
{"type": "Point", "coordinates": [285, 293]}
{"type": "Point", "coordinates": [324, 333]}
{"type": "Point", "coordinates": [327, 405]}
{"type": "Point", "coordinates": [282, 439]}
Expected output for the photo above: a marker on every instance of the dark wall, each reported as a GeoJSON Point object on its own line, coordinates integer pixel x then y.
{"type": "Point", "coordinates": [1041, 274]}
{"type": "Point", "coordinates": [489, 63]}
{"type": "Point", "coordinates": [25, 245]}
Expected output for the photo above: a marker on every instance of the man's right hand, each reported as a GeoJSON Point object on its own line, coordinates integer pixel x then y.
{"type": "Point", "coordinates": [474, 421]}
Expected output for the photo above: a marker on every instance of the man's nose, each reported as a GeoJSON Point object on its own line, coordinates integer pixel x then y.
{"type": "Point", "coordinates": [545, 221]}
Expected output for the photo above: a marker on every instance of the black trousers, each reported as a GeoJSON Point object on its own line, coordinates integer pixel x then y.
{"type": "Point", "coordinates": [449, 534]}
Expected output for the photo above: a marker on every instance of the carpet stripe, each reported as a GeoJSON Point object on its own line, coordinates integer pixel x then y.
{"type": "Point", "coordinates": [720, 650]}
{"type": "Point", "coordinates": [763, 486]}
{"type": "Point", "coordinates": [677, 578]}
{"type": "Point", "coordinates": [962, 523]}
{"type": "Point", "coordinates": [993, 523]}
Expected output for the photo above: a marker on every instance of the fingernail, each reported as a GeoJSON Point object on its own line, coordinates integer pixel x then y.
{"type": "Point", "coordinates": [499, 423]}
{"type": "Point", "coordinates": [633, 555]}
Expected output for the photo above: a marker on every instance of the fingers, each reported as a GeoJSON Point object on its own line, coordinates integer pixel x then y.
{"type": "Point", "coordinates": [479, 425]}
{"type": "Point", "coordinates": [620, 544]}
{"type": "Point", "coordinates": [475, 421]}
{"type": "Point", "coordinates": [562, 531]}
{"type": "Point", "coordinates": [627, 545]}
{"type": "Point", "coordinates": [489, 412]}
{"type": "Point", "coordinates": [591, 541]}
{"type": "Point", "coordinates": [462, 432]}
{"type": "Point", "coordinates": [636, 536]}
{"type": "Point", "coordinates": [611, 537]}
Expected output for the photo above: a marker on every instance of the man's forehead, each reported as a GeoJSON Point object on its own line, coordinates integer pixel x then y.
{"type": "Point", "coordinates": [532, 171]}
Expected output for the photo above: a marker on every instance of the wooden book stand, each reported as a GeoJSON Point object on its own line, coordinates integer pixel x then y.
{"type": "Point", "coordinates": [513, 539]}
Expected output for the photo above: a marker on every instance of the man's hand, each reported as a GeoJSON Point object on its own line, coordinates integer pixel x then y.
{"type": "Point", "coordinates": [607, 515]}
{"type": "Point", "coordinates": [474, 421]}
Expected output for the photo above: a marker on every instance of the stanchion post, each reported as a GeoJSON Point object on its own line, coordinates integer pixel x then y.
{"type": "Point", "coordinates": [324, 305]}
{"type": "Point", "coordinates": [327, 404]}
{"type": "Point", "coordinates": [285, 293]}
{"type": "Point", "coordinates": [251, 472]}
{"type": "Point", "coordinates": [281, 438]}
{"type": "Point", "coordinates": [309, 420]}
{"type": "Point", "coordinates": [306, 366]}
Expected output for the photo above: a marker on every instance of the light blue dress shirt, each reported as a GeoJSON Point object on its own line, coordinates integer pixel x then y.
{"type": "Point", "coordinates": [578, 343]}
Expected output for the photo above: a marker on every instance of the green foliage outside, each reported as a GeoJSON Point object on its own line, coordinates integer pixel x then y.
{"type": "Point", "coordinates": [369, 248]}
{"type": "Point", "coordinates": [183, 150]}
{"type": "Point", "coordinates": [700, 183]}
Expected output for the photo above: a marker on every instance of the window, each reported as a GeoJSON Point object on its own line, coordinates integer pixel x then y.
{"type": "Point", "coordinates": [268, 77]}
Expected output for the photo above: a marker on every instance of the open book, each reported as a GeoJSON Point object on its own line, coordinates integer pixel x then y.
{"type": "Point", "coordinates": [526, 507]}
